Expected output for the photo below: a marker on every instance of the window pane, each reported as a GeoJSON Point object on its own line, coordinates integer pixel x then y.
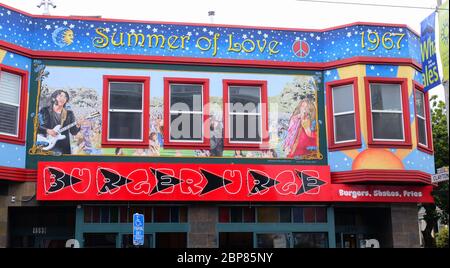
{"type": "Point", "coordinates": [236, 214]}
{"type": "Point", "coordinates": [343, 99]}
{"type": "Point", "coordinates": [224, 214]}
{"type": "Point", "coordinates": [345, 127]}
{"type": "Point", "coordinates": [162, 214]}
{"type": "Point", "coordinates": [245, 99]}
{"type": "Point", "coordinates": [183, 214]}
{"type": "Point", "coordinates": [387, 126]}
{"type": "Point", "coordinates": [385, 97]}
{"type": "Point", "coordinates": [420, 106]}
{"type": "Point", "coordinates": [125, 125]}
{"type": "Point", "coordinates": [310, 214]}
{"type": "Point", "coordinates": [123, 214]}
{"type": "Point", "coordinates": [114, 214]}
{"type": "Point", "coordinates": [321, 214]}
{"type": "Point", "coordinates": [10, 87]}
{"type": "Point", "coordinates": [125, 96]}
{"type": "Point", "coordinates": [245, 128]}
{"type": "Point", "coordinates": [268, 214]}
{"type": "Point", "coordinates": [298, 214]}
{"type": "Point", "coordinates": [95, 214]}
{"type": "Point", "coordinates": [105, 214]}
{"type": "Point", "coordinates": [8, 118]}
{"type": "Point", "coordinates": [174, 214]}
{"type": "Point", "coordinates": [148, 214]}
{"type": "Point", "coordinates": [87, 214]}
{"type": "Point", "coordinates": [236, 240]}
{"type": "Point", "coordinates": [422, 131]}
{"type": "Point", "coordinates": [171, 240]}
{"type": "Point", "coordinates": [285, 214]}
{"type": "Point", "coordinates": [186, 127]}
{"type": "Point", "coordinates": [249, 214]}
{"type": "Point", "coordinates": [310, 240]}
{"type": "Point", "coordinates": [186, 98]}
{"type": "Point", "coordinates": [99, 240]}
{"type": "Point", "coordinates": [272, 240]}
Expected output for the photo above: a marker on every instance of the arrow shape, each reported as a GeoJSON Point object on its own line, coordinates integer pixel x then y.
{"type": "Point", "coordinates": [164, 181]}
{"type": "Point", "coordinates": [308, 182]}
{"type": "Point", "coordinates": [261, 182]}
{"type": "Point", "coordinates": [113, 180]}
{"type": "Point", "coordinates": [62, 180]}
{"type": "Point", "coordinates": [214, 182]}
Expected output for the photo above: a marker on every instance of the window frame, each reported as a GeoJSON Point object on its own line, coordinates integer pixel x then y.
{"type": "Point", "coordinates": [108, 143]}
{"type": "Point", "coordinates": [384, 143]}
{"type": "Point", "coordinates": [21, 118]}
{"type": "Point", "coordinates": [428, 131]}
{"type": "Point", "coordinates": [333, 145]}
{"type": "Point", "coordinates": [227, 143]}
{"type": "Point", "coordinates": [205, 143]}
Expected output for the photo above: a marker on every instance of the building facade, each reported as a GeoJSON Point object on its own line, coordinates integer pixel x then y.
{"type": "Point", "coordinates": [222, 136]}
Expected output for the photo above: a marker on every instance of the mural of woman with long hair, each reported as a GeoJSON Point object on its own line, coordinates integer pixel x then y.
{"type": "Point", "coordinates": [301, 138]}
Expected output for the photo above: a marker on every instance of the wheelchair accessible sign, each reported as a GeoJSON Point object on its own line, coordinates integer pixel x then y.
{"type": "Point", "coordinates": [138, 229]}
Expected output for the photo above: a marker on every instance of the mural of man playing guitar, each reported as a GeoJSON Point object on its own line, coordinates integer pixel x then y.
{"type": "Point", "coordinates": [55, 117]}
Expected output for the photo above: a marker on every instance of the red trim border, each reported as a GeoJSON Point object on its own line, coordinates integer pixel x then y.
{"type": "Point", "coordinates": [264, 145]}
{"type": "Point", "coordinates": [23, 106]}
{"type": "Point", "coordinates": [381, 176]}
{"type": "Point", "coordinates": [332, 146]}
{"type": "Point", "coordinates": [18, 174]}
{"type": "Point", "coordinates": [405, 106]}
{"type": "Point", "coordinates": [145, 117]}
{"type": "Point", "coordinates": [186, 145]}
{"type": "Point", "coordinates": [426, 149]}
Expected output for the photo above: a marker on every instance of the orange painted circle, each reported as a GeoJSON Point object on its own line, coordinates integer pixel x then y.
{"type": "Point", "coordinates": [377, 159]}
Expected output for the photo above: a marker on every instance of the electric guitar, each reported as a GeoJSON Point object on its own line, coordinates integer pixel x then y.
{"type": "Point", "coordinates": [48, 141]}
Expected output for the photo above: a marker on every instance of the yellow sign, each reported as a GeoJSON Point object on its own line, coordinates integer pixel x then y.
{"type": "Point", "coordinates": [443, 37]}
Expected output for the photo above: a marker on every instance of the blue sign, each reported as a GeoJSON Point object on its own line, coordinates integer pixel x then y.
{"type": "Point", "coordinates": [430, 71]}
{"type": "Point", "coordinates": [112, 37]}
{"type": "Point", "coordinates": [138, 229]}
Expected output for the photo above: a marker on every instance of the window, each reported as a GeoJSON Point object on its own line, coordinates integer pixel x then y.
{"type": "Point", "coordinates": [344, 130]}
{"type": "Point", "coordinates": [245, 114]}
{"type": "Point", "coordinates": [310, 240]}
{"type": "Point", "coordinates": [186, 114]}
{"type": "Point", "coordinates": [423, 125]}
{"type": "Point", "coordinates": [13, 104]}
{"type": "Point", "coordinates": [387, 112]}
{"type": "Point", "coordinates": [125, 111]}
{"type": "Point", "coordinates": [236, 214]}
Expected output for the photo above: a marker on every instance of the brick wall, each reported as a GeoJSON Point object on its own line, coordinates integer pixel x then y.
{"type": "Point", "coordinates": [202, 220]}
{"type": "Point", "coordinates": [405, 228]}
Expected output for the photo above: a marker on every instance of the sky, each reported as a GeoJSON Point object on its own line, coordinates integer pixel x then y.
{"type": "Point", "coordinates": [269, 13]}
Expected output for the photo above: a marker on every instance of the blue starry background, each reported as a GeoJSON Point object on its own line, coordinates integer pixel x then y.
{"type": "Point", "coordinates": [415, 160]}
{"type": "Point", "coordinates": [13, 155]}
{"type": "Point", "coordinates": [36, 34]}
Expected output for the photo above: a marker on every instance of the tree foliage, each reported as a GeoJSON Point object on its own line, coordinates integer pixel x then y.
{"type": "Point", "coordinates": [440, 141]}
{"type": "Point", "coordinates": [440, 193]}
{"type": "Point", "coordinates": [442, 238]}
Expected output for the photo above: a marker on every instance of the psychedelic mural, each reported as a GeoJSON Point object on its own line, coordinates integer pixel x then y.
{"type": "Point", "coordinates": [379, 158]}
{"type": "Point", "coordinates": [293, 121]}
